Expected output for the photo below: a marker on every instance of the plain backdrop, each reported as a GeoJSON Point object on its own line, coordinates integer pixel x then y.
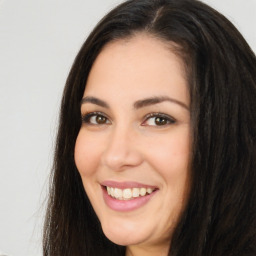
{"type": "Point", "coordinates": [38, 42]}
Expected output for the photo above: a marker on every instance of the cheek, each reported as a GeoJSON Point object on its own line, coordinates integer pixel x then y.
{"type": "Point", "coordinates": [87, 154]}
{"type": "Point", "coordinates": [172, 153]}
{"type": "Point", "coordinates": [170, 157]}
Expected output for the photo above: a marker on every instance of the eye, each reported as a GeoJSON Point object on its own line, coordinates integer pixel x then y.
{"type": "Point", "coordinates": [158, 119]}
{"type": "Point", "coordinates": [95, 118]}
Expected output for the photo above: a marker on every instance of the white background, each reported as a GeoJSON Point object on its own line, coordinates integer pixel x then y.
{"type": "Point", "coordinates": [38, 42]}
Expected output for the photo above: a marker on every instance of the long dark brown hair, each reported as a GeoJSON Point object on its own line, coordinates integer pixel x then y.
{"type": "Point", "coordinates": [220, 217]}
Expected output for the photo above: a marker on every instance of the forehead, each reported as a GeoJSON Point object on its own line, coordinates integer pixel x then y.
{"type": "Point", "coordinates": [141, 65]}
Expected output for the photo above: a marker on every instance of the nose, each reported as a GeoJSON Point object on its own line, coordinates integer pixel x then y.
{"type": "Point", "coordinates": [121, 151]}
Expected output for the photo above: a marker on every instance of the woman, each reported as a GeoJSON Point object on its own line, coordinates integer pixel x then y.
{"type": "Point", "coordinates": [155, 152]}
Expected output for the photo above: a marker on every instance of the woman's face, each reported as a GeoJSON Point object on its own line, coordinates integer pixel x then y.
{"type": "Point", "coordinates": [133, 148]}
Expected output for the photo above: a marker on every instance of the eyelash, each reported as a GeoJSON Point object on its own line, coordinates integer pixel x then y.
{"type": "Point", "coordinates": [166, 119]}
{"type": "Point", "coordinates": [86, 117]}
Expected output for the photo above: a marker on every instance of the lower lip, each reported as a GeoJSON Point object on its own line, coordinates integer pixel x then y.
{"type": "Point", "coordinates": [125, 205]}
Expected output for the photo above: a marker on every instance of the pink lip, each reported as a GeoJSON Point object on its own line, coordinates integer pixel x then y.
{"type": "Point", "coordinates": [125, 205]}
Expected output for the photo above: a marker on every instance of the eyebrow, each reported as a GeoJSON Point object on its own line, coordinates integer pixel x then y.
{"type": "Point", "coordinates": [95, 101]}
{"type": "Point", "coordinates": [156, 100]}
{"type": "Point", "coordinates": [137, 104]}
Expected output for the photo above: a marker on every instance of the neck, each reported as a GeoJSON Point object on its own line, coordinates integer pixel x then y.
{"type": "Point", "coordinates": [137, 250]}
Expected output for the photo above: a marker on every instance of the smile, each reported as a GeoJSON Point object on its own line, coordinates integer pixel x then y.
{"type": "Point", "coordinates": [128, 193]}
{"type": "Point", "coordinates": [127, 196]}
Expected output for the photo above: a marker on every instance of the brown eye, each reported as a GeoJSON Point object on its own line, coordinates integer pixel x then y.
{"type": "Point", "coordinates": [161, 121]}
{"type": "Point", "coordinates": [95, 118]}
{"type": "Point", "coordinates": [158, 119]}
{"type": "Point", "coordinates": [101, 119]}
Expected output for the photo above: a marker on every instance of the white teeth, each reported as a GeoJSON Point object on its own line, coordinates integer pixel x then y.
{"type": "Point", "coordinates": [128, 193]}
{"type": "Point", "coordinates": [118, 193]}
{"type": "Point", "coordinates": [149, 190]}
{"type": "Point", "coordinates": [143, 191]}
{"type": "Point", "coordinates": [136, 192]}
{"type": "Point", "coordinates": [112, 192]}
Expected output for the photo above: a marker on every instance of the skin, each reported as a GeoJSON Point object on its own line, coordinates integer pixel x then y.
{"type": "Point", "coordinates": [129, 145]}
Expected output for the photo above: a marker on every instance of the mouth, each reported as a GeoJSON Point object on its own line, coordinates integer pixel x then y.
{"type": "Point", "coordinates": [128, 193]}
{"type": "Point", "coordinates": [127, 196]}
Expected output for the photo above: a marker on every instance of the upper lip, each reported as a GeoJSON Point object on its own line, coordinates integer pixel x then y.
{"type": "Point", "coordinates": [125, 184]}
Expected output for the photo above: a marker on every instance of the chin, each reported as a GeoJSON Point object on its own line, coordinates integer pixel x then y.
{"type": "Point", "coordinates": [125, 235]}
